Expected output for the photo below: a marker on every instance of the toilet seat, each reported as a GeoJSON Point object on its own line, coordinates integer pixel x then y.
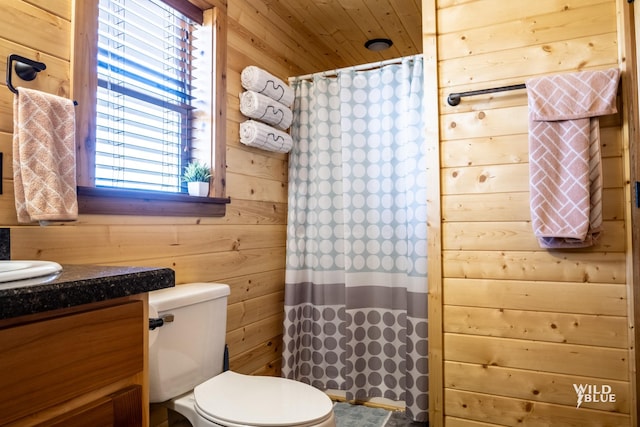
{"type": "Point", "coordinates": [232, 399]}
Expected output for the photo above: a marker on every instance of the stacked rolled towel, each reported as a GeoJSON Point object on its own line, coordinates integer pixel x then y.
{"type": "Point", "coordinates": [267, 110]}
{"type": "Point", "coordinates": [267, 100]}
{"type": "Point", "coordinates": [260, 135]}
{"type": "Point", "coordinates": [259, 80]}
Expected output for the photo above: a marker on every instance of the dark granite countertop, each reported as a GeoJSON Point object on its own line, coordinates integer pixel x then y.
{"type": "Point", "coordinates": [77, 285]}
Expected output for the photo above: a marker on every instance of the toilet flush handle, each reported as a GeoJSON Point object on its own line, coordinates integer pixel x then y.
{"type": "Point", "coordinates": [156, 322]}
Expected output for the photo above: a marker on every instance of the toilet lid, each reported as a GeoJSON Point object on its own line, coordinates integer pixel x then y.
{"type": "Point", "coordinates": [237, 399]}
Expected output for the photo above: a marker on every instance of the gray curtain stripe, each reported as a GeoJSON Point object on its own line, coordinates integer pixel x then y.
{"type": "Point", "coordinates": [310, 293]}
{"type": "Point", "coordinates": [376, 297]}
{"type": "Point", "coordinates": [417, 304]}
{"type": "Point", "coordinates": [358, 297]}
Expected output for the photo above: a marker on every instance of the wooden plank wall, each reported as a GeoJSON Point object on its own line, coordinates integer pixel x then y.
{"type": "Point", "coordinates": [521, 324]}
{"type": "Point", "coordinates": [244, 249]}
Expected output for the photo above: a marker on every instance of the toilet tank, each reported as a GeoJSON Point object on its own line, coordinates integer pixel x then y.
{"type": "Point", "coordinates": [190, 349]}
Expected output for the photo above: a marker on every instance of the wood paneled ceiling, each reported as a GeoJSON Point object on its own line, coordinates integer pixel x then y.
{"type": "Point", "coordinates": [341, 27]}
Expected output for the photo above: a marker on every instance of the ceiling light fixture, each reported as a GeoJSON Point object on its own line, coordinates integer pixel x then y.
{"type": "Point", "coordinates": [378, 44]}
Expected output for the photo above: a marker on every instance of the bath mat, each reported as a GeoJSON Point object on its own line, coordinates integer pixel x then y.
{"type": "Point", "coordinates": [348, 415]}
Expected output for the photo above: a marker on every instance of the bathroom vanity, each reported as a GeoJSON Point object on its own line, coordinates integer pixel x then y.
{"type": "Point", "coordinates": [73, 347]}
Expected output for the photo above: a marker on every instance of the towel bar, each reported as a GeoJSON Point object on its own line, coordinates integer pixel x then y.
{"type": "Point", "coordinates": [25, 68]}
{"type": "Point", "coordinates": [454, 98]}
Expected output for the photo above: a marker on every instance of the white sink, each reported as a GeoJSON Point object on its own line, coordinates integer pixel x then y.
{"type": "Point", "coordinates": [19, 270]}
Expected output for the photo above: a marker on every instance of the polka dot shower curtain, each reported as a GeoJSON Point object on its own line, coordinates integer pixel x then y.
{"type": "Point", "coordinates": [356, 281]}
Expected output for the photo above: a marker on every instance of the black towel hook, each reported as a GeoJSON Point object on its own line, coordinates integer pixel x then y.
{"type": "Point", "coordinates": [25, 68]}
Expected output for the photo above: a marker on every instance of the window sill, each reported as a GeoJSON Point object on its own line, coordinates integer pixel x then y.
{"type": "Point", "coordinates": [110, 201]}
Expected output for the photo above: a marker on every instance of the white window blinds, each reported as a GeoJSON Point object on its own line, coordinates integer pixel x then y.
{"type": "Point", "coordinates": [144, 102]}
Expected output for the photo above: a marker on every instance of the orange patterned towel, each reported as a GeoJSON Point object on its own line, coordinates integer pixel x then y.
{"type": "Point", "coordinates": [44, 162]}
{"type": "Point", "coordinates": [565, 169]}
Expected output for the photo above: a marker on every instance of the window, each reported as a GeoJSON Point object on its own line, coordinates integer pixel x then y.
{"type": "Point", "coordinates": [144, 106]}
{"type": "Point", "coordinates": [139, 117]}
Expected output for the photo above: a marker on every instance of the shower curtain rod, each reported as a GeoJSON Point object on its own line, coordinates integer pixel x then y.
{"type": "Point", "coordinates": [363, 67]}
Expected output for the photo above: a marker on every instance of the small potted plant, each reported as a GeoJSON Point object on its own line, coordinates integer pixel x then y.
{"type": "Point", "coordinates": [197, 175]}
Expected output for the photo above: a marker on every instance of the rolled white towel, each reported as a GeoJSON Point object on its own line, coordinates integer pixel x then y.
{"type": "Point", "coordinates": [260, 135]}
{"type": "Point", "coordinates": [260, 107]}
{"type": "Point", "coordinates": [261, 81]}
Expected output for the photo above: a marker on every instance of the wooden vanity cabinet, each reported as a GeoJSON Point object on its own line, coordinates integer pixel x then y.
{"type": "Point", "coordinates": [82, 366]}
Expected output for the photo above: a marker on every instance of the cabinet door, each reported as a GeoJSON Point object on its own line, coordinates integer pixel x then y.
{"type": "Point", "coordinates": [45, 363]}
{"type": "Point", "coordinates": [96, 414]}
{"type": "Point", "coordinates": [121, 409]}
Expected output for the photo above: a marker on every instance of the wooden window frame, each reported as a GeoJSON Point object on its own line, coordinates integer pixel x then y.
{"type": "Point", "coordinates": [114, 201]}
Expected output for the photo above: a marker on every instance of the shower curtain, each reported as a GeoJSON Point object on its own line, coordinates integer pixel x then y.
{"type": "Point", "coordinates": [356, 275]}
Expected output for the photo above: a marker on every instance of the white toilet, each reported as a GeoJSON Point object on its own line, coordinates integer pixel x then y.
{"type": "Point", "coordinates": [186, 357]}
